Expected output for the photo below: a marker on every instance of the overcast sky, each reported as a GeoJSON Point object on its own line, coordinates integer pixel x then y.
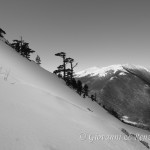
{"type": "Point", "coordinates": [93, 32]}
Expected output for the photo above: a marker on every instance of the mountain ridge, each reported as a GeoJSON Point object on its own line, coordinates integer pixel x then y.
{"type": "Point", "coordinates": [97, 71]}
{"type": "Point", "coordinates": [123, 89]}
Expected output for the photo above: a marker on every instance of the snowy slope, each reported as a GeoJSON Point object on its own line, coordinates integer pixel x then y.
{"type": "Point", "coordinates": [38, 112]}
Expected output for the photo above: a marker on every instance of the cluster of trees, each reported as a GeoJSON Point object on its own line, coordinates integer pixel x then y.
{"type": "Point", "coordinates": [21, 47]}
{"type": "Point", "coordinates": [63, 71]}
{"type": "Point", "coordinates": [67, 74]}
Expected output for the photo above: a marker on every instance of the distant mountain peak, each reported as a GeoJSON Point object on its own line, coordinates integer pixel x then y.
{"type": "Point", "coordinates": [101, 72]}
{"type": "Point", "coordinates": [87, 71]}
{"type": "Point", "coordinates": [97, 71]}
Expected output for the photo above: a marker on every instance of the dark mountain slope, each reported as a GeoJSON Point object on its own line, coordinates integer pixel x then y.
{"type": "Point", "coordinates": [126, 91]}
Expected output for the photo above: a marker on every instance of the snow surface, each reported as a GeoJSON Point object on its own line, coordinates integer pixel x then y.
{"type": "Point", "coordinates": [122, 73]}
{"type": "Point", "coordinates": [125, 119]}
{"type": "Point", "coordinates": [112, 78]}
{"type": "Point", "coordinates": [96, 71]}
{"type": "Point", "coordinates": [39, 112]}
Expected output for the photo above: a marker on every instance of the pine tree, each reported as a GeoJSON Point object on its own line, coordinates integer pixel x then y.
{"type": "Point", "coordinates": [85, 90]}
{"type": "Point", "coordinates": [74, 84]}
{"type": "Point", "coordinates": [16, 45]}
{"type": "Point", "coordinates": [79, 87]}
{"type": "Point", "coordinates": [22, 47]}
{"type": "Point", "coordinates": [66, 73]}
{"type": "Point", "coordinates": [71, 60]}
{"type": "Point", "coordinates": [2, 32]}
{"type": "Point", "coordinates": [59, 71]}
{"type": "Point", "coordinates": [38, 60]}
{"type": "Point", "coordinates": [92, 97]}
{"type": "Point", "coordinates": [68, 77]}
{"type": "Point", "coordinates": [26, 51]}
{"type": "Point", "coordinates": [63, 55]}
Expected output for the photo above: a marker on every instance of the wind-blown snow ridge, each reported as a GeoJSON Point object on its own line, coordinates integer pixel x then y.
{"type": "Point", "coordinates": [130, 66]}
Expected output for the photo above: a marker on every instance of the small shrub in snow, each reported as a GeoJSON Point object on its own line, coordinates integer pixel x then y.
{"type": "Point", "coordinates": [145, 144]}
{"type": "Point", "coordinates": [125, 132]}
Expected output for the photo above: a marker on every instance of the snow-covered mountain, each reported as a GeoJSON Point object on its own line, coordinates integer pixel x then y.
{"type": "Point", "coordinates": [123, 88]}
{"type": "Point", "coordinates": [96, 71]}
{"type": "Point", "coordinates": [102, 72]}
{"type": "Point", "coordinates": [39, 112]}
